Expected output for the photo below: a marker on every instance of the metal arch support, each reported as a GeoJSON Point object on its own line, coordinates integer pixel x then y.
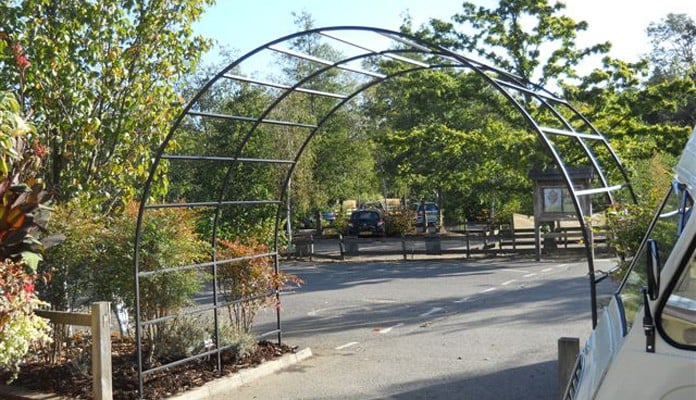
{"type": "Point", "coordinates": [504, 81]}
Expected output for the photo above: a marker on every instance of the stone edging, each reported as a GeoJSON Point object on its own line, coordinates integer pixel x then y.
{"type": "Point", "coordinates": [224, 384]}
{"type": "Point", "coordinates": [208, 390]}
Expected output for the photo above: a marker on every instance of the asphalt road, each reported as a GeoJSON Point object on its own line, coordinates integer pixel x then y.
{"type": "Point", "coordinates": [451, 329]}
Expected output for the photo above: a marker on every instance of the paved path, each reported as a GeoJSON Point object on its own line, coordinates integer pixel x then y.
{"type": "Point", "coordinates": [451, 329]}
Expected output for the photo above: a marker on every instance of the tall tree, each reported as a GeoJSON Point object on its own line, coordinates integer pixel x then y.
{"type": "Point", "coordinates": [673, 52]}
{"type": "Point", "coordinates": [527, 37]}
{"type": "Point", "coordinates": [340, 159]}
{"type": "Point", "coordinates": [99, 79]}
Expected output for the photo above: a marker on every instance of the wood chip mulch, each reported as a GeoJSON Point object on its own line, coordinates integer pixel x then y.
{"type": "Point", "coordinates": [67, 379]}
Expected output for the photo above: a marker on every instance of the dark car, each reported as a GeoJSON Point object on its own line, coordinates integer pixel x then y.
{"type": "Point", "coordinates": [366, 222]}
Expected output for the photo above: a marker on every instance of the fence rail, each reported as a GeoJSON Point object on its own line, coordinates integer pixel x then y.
{"type": "Point", "coordinates": [469, 243]}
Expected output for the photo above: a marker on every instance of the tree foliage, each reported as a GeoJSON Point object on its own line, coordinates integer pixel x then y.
{"type": "Point", "coordinates": [673, 41]}
{"type": "Point", "coordinates": [99, 78]}
{"type": "Point", "coordinates": [529, 38]}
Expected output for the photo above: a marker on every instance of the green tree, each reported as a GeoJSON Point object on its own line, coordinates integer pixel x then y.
{"type": "Point", "coordinates": [649, 107]}
{"type": "Point", "coordinates": [339, 163]}
{"type": "Point", "coordinates": [529, 38]}
{"type": "Point", "coordinates": [673, 42]}
{"type": "Point", "coordinates": [100, 81]}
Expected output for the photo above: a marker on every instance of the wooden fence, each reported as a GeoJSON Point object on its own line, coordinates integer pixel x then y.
{"type": "Point", "coordinates": [99, 321]}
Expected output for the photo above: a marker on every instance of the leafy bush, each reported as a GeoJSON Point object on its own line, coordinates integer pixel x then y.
{"type": "Point", "coordinates": [243, 343]}
{"type": "Point", "coordinates": [20, 217]}
{"type": "Point", "coordinates": [167, 239]}
{"type": "Point", "coordinates": [183, 337]}
{"type": "Point", "coordinates": [72, 263]}
{"type": "Point", "coordinates": [249, 281]}
{"type": "Point", "coordinates": [20, 328]}
{"type": "Point", "coordinates": [399, 222]}
{"type": "Point", "coordinates": [626, 224]}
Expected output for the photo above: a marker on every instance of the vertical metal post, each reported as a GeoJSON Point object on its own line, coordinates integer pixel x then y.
{"type": "Point", "coordinates": [276, 267]}
{"type": "Point", "coordinates": [288, 211]}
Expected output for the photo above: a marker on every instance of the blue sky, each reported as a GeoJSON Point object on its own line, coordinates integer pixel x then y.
{"type": "Point", "coordinates": [243, 25]}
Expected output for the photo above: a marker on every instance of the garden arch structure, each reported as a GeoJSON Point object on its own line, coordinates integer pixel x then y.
{"type": "Point", "coordinates": [562, 126]}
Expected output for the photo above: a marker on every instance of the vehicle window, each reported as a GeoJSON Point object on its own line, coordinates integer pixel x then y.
{"type": "Point", "coordinates": [665, 232]}
{"type": "Point", "coordinates": [678, 317]}
{"type": "Point", "coordinates": [366, 216]}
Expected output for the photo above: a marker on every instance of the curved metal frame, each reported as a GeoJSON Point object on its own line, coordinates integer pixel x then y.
{"type": "Point", "coordinates": [509, 85]}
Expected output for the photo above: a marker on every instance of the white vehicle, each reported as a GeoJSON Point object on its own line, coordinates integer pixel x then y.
{"type": "Point", "coordinates": [644, 344]}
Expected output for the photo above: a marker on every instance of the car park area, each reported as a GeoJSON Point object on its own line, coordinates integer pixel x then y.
{"type": "Point", "coordinates": [449, 329]}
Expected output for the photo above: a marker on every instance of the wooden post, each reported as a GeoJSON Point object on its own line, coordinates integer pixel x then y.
{"type": "Point", "coordinates": [568, 349]}
{"type": "Point", "coordinates": [403, 246]}
{"type": "Point", "coordinates": [101, 350]}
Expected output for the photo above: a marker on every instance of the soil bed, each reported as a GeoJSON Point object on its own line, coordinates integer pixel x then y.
{"type": "Point", "coordinates": [67, 379]}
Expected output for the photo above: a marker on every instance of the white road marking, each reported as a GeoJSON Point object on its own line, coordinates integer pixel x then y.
{"type": "Point", "coordinates": [387, 330]}
{"type": "Point", "coordinates": [529, 275]}
{"type": "Point", "coordinates": [316, 311]}
{"type": "Point", "coordinates": [381, 301]}
{"type": "Point", "coordinates": [432, 311]}
{"type": "Point", "coordinates": [462, 300]}
{"type": "Point", "coordinates": [547, 269]}
{"type": "Point", "coordinates": [347, 345]}
{"type": "Point", "coordinates": [522, 271]}
{"type": "Point", "coordinates": [508, 282]}
{"type": "Point", "coordinates": [488, 290]}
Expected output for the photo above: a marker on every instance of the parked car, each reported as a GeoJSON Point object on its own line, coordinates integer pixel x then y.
{"type": "Point", "coordinates": [328, 216]}
{"type": "Point", "coordinates": [366, 222]}
{"type": "Point", "coordinates": [431, 213]}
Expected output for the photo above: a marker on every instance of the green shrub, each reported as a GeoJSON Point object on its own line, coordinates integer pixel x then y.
{"type": "Point", "coordinates": [399, 222]}
{"type": "Point", "coordinates": [21, 215]}
{"type": "Point", "coordinates": [248, 281]}
{"type": "Point", "coordinates": [183, 337]}
{"type": "Point", "coordinates": [167, 239]}
{"type": "Point", "coordinates": [71, 264]}
{"type": "Point", "coordinates": [20, 328]}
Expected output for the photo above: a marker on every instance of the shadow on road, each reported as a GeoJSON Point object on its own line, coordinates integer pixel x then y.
{"type": "Point", "coordinates": [548, 307]}
{"type": "Point", "coordinates": [525, 382]}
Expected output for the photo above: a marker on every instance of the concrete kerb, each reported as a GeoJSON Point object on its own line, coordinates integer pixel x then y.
{"type": "Point", "coordinates": [210, 389]}
{"type": "Point", "coordinates": [225, 384]}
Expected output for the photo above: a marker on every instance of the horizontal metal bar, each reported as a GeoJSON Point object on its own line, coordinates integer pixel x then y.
{"type": "Point", "coordinates": [179, 362]}
{"type": "Point", "coordinates": [225, 159]}
{"type": "Point", "coordinates": [607, 189]}
{"type": "Point", "coordinates": [192, 311]}
{"type": "Point", "coordinates": [392, 56]}
{"type": "Point", "coordinates": [407, 42]}
{"type": "Point", "coordinates": [206, 264]}
{"type": "Point", "coordinates": [562, 132]}
{"type": "Point", "coordinates": [529, 91]}
{"type": "Point", "coordinates": [202, 309]}
{"type": "Point", "coordinates": [269, 333]}
{"type": "Point", "coordinates": [214, 204]}
{"type": "Point", "coordinates": [325, 62]}
{"type": "Point", "coordinates": [282, 86]}
{"type": "Point", "coordinates": [249, 119]}
{"type": "Point", "coordinates": [187, 359]}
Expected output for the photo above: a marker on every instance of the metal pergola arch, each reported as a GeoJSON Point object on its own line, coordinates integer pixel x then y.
{"type": "Point", "coordinates": [398, 46]}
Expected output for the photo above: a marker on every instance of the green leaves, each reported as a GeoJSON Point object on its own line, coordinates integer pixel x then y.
{"type": "Point", "coordinates": [527, 37]}
{"type": "Point", "coordinates": [101, 83]}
